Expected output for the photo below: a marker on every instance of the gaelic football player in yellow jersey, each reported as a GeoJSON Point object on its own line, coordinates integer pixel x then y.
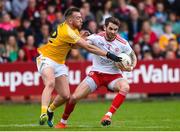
{"type": "Point", "coordinates": [50, 62]}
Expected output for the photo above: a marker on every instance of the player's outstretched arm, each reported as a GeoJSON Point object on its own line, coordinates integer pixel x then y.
{"type": "Point", "coordinates": [93, 49]}
{"type": "Point", "coordinates": [133, 59]}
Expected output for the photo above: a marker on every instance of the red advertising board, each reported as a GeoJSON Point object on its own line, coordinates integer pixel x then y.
{"type": "Point", "coordinates": [148, 77]}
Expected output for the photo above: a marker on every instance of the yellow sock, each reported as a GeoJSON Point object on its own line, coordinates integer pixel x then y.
{"type": "Point", "coordinates": [52, 107]}
{"type": "Point", "coordinates": [43, 109]}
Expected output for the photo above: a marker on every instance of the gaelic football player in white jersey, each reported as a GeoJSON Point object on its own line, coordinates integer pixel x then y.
{"type": "Point", "coordinates": [103, 73]}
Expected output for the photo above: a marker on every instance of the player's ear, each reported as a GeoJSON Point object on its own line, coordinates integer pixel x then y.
{"type": "Point", "coordinates": [70, 20]}
{"type": "Point", "coordinates": [104, 27]}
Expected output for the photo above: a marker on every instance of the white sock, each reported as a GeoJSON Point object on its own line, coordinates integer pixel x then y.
{"type": "Point", "coordinates": [50, 110]}
{"type": "Point", "coordinates": [109, 114]}
{"type": "Point", "coordinates": [63, 121]}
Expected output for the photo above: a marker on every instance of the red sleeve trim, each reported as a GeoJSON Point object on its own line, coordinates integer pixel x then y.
{"type": "Point", "coordinates": [120, 39]}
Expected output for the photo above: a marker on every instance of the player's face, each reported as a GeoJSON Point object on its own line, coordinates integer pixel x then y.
{"type": "Point", "coordinates": [111, 31]}
{"type": "Point", "coordinates": [77, 20]}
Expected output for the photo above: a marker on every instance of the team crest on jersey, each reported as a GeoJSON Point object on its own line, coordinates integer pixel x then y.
{"type": "Point", "coordinates": [117, 50]}
{"type": "Point", "coordinates": [54, 34]}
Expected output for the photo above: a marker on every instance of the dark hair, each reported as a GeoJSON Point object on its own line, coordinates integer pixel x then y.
{"type": "Point", "coordinates": [112, 20]}
{"type": "Point", "coordinates": [70, 11]}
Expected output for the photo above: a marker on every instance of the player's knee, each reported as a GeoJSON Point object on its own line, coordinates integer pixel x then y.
{"type": "Point", "coordinates": [65, 96]}
{"type": "Point", "coordinates": [124, 86]}
{"type": "Point", "coordinates": [50, 84]}
{"type": "Point", "coordinates": [73, 99]}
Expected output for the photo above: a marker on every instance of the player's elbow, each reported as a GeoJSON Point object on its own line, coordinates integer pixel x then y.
{"type": "Point", "coordinates": [85, 45]}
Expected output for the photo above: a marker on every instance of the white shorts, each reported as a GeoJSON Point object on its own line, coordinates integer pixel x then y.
{"type": "Point", "coordinates": [44, 62]}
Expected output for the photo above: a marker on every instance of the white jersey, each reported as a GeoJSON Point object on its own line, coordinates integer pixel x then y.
{"type": "Point", "coordinates": [117, 46]}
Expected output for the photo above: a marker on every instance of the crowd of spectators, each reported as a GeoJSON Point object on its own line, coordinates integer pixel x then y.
{"type": "Point", "coordinates": [152, 27]}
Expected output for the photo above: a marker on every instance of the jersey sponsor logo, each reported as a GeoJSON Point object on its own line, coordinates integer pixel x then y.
{"type": "Point", "coordinates": [105, 61]}
{"type": "Point", "coordinates": [100, 43]}
{"type": "Point", "coordinates": [54, 33]}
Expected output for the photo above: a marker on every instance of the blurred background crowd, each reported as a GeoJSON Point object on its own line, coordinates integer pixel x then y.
{"type": "Point", "coordinates": [152, 27]}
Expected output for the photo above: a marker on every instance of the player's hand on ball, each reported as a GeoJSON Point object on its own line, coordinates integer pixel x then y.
{"type": "Point", "coordinates": [123, 68]}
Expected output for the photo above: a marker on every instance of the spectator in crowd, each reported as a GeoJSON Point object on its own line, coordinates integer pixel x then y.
{"type": "Point", "coordinates": [29, 49]}
{"type": "Point", "coordinates": [51, 13]}
{"type": "Point", "coordinates": [123, 10]}
{"type": "Point", "coordinates": [172, 45]}
{"type": "Point", "coordinates": [7, 5]}
{"type": "Point", "coordinates": [43, 36]}
{"type": "Point", "coordinates": [42, 4]}
{"type": "Point", "coordinates": [7, 27]}
{"type": "Point", "coordinates": [12, 48]}
{"type": "Point", "coordinates": [31, 11]}
{"type": "Point", "coordinates": [21, 56]}
{"type": "Point", "coordinates": [101, 15]}
{"type": "Point", "coordinates": [92, 27]}
{"type": "Point", "coordinates": [160, 13]}
{"type": "Point", "coordinates": [134, 24]}
{"type": "Point", "coordinates": [21, 40]}
{"type": "Point", "coordinates": [3, 58]}
{"type": "Point", "coordinates": [87, 14]}
{"type": "Point", "coordinates": [170, 55]}
{"type": "Point", "coordinates": [142, 14]}
{"type": "Point", "coordinates": [38, 22]}
{"type": "Point", "coordinates": [7, 23]}
{"type": "Point", "coordinates": [146, 29]}
{"type": "Point", "coordinates": [178, 52]}
{"type": "Point", "coordinates": [164, 39]}
{"type": "Point", "coordinates": [145, 44]}
{"type": "Point", "coordinates": [75, 55]}
{"type": "Point", "coordinates": [137, 50]}
{"type": "Point", "coordinates": [2, 8]}
{"type": "Point", "coordinates": [59, 19]}
{"type": "Point", "coordinates": [147, 55]}
{"type": "Point", "coordinates": [26, 26]}
{"type": "Point", "coordinates": [173, 21]}
{"type": "Point", "coordinates": [149, 7]}
{"type": "Point", "coordinates": [18, 7]}
{"type": "Point", "coordinates": [124, 31]}
{"type": "Point", "coordinates": [173, 5]}
{"type": "Point", "coordinates": [156, 51]}
{"type": "Point", "coordinates": [156, 27]}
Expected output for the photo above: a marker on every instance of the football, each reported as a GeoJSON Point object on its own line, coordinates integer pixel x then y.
{"type": "Point", "coordinates": [126, 60]}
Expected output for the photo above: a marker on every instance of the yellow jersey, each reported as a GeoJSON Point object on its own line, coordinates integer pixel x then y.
{"type": "Point", "coordinates": [60, 43]}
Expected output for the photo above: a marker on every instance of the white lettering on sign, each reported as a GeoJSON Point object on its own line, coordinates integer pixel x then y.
{"type": "Point", "coordinates": [150, 74]}
{"type": "Point", "coordinates": [14, 79]}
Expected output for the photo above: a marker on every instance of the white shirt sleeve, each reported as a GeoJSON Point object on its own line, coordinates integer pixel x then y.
{"type": "Point", "coordinates": [128, 48]}
{"type": "Point", "coordinates": [92, 39]}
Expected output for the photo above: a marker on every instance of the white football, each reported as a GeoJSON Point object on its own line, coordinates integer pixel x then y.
{"type": "Point", "coordinates": [126, 60]}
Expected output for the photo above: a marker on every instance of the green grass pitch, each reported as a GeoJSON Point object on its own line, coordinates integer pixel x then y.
{"type": "Point", "coordinates": [133, 115]}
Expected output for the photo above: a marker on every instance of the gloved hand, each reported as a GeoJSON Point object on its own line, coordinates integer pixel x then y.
{"type": "Point", "coordinates": [113, 57]}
